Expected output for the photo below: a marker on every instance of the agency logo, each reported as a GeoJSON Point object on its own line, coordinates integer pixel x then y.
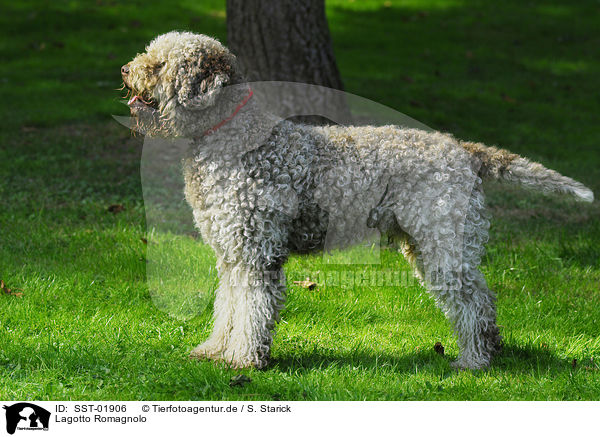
{"type": "Point", "coordinates": [26, 417]}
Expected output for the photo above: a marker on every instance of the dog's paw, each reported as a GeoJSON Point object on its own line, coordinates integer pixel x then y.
{"type": "Point", "coordinates": [243, 361]}
{"type": "Point", "coordinates": [207, 351]}
{"type": "Point", "coordinates": [210, 351]}
{"type": "Point", "coordinates": [463, 363]}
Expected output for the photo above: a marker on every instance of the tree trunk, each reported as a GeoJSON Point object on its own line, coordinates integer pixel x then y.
{"type": "Point", "coordinates": [287, 40]}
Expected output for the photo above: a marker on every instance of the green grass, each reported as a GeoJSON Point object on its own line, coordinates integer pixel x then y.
{"type": "Point", "coordinates": [522, 76]}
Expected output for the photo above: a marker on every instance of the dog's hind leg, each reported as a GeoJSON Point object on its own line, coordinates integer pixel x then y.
{"type": "Point", "coordinates": [468, 303]}
{"type": "Point", "coordinates": [472, 310]}
{"type": "Point", "coordinates": [455, 282]}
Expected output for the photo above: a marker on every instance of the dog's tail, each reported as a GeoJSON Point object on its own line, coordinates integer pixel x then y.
{"type": "Point", "coordinates": [502, 165]}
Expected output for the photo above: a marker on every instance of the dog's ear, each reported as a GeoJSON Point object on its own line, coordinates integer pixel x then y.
{"type": "Point", "coordinates": [200, 80]}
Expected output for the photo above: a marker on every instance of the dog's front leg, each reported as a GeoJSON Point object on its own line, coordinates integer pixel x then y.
{"type": "Point", "coordinates": [247, 306]}
{"type": "Point", "coordinates": [259, 298]}
{"type": "Point", "coordinates": [215, 345]}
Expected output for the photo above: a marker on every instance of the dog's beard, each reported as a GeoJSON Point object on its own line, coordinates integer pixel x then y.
{"type": "Point", "coordinates": [147, 117]}
{"type": "Point", "coordinates": [138, 101]}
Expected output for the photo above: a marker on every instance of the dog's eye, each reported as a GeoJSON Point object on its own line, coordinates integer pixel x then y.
{"type": "Point", "coordinates": [159, 66]}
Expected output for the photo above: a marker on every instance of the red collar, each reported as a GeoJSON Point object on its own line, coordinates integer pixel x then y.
{"type": "Point", "coordinates": [237, 109]}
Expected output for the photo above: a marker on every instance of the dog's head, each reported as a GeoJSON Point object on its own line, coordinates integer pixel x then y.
{"type": "Point", "coordinates": [175, 82]}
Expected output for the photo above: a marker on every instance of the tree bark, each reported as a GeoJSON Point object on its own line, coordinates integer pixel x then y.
{"type": "Point", "coordinates": [287, 40]}
{"type": "Point", "coordinates": [284, 40]}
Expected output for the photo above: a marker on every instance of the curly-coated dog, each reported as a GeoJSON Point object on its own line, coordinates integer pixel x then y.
{"type": "Point", "coordinates": [299, 185]}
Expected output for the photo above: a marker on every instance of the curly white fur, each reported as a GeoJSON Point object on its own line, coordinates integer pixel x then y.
{"type": "Point", "coordinates": [302, 185]}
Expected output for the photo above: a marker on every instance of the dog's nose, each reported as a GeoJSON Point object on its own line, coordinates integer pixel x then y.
{"type": "Point", "coordinates": [125, 70]}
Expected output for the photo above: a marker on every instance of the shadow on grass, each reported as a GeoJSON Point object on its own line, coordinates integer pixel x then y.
{"type": "Point", "coordinates": [512, 359]}
{"type": "Point", "coordinates": [93, 370]}
{"type": "Point", "coordinates": [529, 360]}
{"type": "Point", "coordinates": [317, 360]}
{"type": "Point", "coordinates": [487, 73]}
{"type": "Point", "coordinates": [581, 254]}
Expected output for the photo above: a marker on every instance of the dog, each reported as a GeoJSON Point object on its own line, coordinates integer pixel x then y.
{"type": "Point", "coordinates": [261, 189]}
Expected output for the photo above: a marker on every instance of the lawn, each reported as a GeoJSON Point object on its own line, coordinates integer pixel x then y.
{"type": "Point", "coordinates": [79, 322]}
